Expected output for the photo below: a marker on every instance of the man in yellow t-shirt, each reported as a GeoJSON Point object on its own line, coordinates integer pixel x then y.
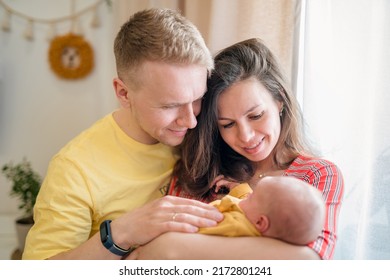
{"type": "Point", "coordinates": [102, 193]}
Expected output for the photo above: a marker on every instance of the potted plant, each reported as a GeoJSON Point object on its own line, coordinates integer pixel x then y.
{"type": "Point", "coordinates": [25, 186]}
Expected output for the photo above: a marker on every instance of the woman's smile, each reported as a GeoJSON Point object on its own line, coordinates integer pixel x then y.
{"type": "Point", "coordinates": [255, 148]}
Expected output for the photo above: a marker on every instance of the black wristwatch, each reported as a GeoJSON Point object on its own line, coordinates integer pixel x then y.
{"type": "Point", "coordinates": [106, 238]}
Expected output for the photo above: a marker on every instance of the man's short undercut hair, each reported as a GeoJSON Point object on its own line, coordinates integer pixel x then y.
{"type": "Point", "coordinates": [159, 35]}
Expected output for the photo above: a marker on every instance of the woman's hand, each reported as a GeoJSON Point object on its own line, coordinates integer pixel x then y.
{"type": "Point", "coordinates": [221, 181]}
{"type": "Point", "coordinates": [163, 215]}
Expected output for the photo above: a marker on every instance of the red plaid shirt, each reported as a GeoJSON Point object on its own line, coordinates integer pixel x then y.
{"type": "Point", "coordinates": [323, 175]}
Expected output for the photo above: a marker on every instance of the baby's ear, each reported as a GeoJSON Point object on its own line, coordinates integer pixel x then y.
{"type": "Point", "coordinates": [262, 223]}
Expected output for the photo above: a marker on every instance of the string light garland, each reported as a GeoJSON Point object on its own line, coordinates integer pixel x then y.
{"type": "Point", "coordinates": [31, 21]}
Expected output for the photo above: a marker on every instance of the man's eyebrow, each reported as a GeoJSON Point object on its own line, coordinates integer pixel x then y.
{"type": "Point", "coordinates": [176, 104]}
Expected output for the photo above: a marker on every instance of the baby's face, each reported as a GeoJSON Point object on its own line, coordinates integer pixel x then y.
{"type": "Point", "coordinates": [255, 203]}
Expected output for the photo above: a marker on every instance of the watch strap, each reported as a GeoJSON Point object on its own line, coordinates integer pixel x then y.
{"type": "Point", "coordinates": [108, 242]}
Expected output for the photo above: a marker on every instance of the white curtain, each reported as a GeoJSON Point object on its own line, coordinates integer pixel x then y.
{"type": "Point", "coordinates": [223, 23]}
{"type": "Point", "coordinates": [344, 89]}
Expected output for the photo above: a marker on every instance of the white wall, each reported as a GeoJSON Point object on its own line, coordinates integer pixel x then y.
{"type": "Point", "coordinates": [40, 112]}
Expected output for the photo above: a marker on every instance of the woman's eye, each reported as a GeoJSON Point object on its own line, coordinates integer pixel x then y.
{"type": "Point", "coordinates": [256, 117]}
{"type": "Point", "coordinates": [227, 125]}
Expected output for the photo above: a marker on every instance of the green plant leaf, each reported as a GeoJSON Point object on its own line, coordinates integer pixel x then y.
{"type": "Point", "coordinates": [25, 184]}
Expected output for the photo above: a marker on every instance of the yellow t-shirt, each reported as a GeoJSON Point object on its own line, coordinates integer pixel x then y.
{"type": "Point", "coordinates": [99, 175]}
{"type": "Point", "coordinates": [235, 222]}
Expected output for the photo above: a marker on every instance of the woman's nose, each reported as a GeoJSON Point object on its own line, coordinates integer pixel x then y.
{"type": "Point", "coordinates": [245, 132]}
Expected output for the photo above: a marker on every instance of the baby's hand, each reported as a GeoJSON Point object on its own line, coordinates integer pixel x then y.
{"type": "Point", "coordinates": [220, 181]}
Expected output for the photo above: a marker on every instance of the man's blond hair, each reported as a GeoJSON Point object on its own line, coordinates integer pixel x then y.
{"type": "Point", "coordinates": [159, 35]}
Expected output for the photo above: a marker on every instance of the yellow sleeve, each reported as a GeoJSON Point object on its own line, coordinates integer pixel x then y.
{"type": "Point", "coordinates": [241, 191]}
{"type": "Point", "coordinates": [62, 212]}
{"type": "Point", "coordinates": [234, 223]}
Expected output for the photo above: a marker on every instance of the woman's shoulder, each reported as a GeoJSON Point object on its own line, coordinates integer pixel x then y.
{"type": "Point", "coordinates": [321, 173]}
{"type": "Point", "coordinates": [310, 165]}
{"type": "Point", "coordinates": [311, 161]}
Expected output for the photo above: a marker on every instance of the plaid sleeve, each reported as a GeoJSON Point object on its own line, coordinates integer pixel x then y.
{"type": "Point", "coordinates": [326, 177]}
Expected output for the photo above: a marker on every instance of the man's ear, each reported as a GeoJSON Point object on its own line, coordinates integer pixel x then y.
{"type": "Point", "coordinates": [262, 223]}
{"type": "Point", "coordinates": [121, 92]}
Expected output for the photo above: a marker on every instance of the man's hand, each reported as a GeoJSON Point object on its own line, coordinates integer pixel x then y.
{"type": "Point", "coordinates": [163, 215]}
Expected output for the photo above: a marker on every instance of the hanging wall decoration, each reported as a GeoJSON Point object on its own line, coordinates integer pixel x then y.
{"type": "Point", "coordinates": [70, 56]}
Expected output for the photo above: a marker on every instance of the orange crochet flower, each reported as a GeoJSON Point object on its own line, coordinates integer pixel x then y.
{"type": "Point", "coordinates": [70, 56]}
